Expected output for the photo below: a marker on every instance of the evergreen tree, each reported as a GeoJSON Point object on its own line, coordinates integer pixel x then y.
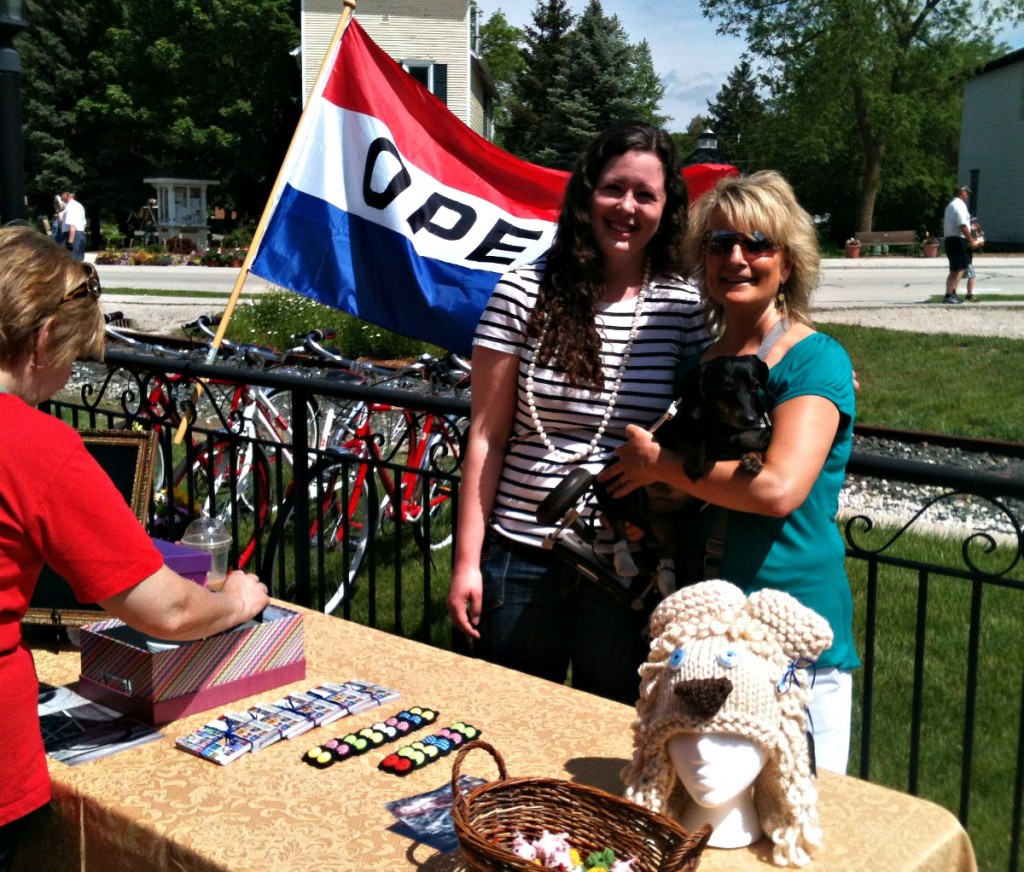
{"type": "Point", "coordinates": [736, 116]}
{"type": "Point", "coordinates": [50, 83]}
{"type": "Point", "coordinates": [576, 82]}
{"type": "Point", "coordinates": [529, 102]}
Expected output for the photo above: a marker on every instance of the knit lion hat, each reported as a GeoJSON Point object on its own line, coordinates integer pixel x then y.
{"type": "Point", "coordinates": [721, 662]}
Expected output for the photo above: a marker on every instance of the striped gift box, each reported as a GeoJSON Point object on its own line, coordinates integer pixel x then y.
{"type": "Point", "coordinates": [119, 668]}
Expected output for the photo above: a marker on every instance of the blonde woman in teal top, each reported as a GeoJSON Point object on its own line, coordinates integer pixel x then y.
{"type": "Point", "coordinates": [755, 258]}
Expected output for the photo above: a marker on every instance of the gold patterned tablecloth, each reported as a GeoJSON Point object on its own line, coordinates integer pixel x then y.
{"type": "Point", "coordinates": [157, 808]}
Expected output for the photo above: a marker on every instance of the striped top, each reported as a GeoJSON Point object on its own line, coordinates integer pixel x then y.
{"type": "Point", "coordinates": [671, 328]}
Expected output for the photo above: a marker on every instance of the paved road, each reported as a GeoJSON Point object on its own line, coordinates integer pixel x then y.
{"type": "Point", "coordinates": [853, 290]}
{"type": "Point", "coordinates": [901, 281]}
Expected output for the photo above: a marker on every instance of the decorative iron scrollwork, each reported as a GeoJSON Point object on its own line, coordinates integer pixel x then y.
{"type": "Point", "coordinates": [974, 543]}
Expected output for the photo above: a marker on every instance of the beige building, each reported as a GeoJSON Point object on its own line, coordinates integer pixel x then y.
{"type": "Point", "coordinates": [434, 40]}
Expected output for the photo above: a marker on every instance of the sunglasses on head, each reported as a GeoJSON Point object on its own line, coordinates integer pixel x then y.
{"type": "Point", "coordinates": [89, 288]}
{"type": "Point", "coordinates": [722, 242]}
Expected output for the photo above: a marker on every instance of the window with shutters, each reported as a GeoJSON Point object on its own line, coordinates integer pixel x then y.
{"type": "Point", "coordinates": [433, 77]}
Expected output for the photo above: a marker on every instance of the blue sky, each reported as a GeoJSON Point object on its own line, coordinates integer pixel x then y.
{"type": "Point", "coordinates": [692, 60]}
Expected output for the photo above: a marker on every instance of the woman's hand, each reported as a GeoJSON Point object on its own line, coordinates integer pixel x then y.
{"type": "Point", "coordinates": [249, 589]}
{"type": "Point", "coordinates": [464, 601]}
{"type": "Point", "coordinates": [637, 463]}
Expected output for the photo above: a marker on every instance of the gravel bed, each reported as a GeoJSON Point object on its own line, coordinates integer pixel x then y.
{"type": "Point", "coordinates": [968, 319]}
{"type": "Point", "coordinates": [896, 503]}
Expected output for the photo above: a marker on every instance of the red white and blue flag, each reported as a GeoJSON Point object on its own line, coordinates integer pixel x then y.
{"type": "Point", "coordinates": [395, 211]}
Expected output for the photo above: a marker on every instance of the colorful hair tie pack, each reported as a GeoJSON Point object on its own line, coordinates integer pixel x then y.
{"type": "Point", "coordinates": [409, 758]}
{"type": "Point", "coordinates": [357, 743]}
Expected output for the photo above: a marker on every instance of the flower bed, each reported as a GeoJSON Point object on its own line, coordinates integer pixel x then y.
{"type": "Point", "coordinates": [149, 257]}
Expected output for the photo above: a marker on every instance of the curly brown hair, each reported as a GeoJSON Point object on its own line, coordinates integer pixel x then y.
{"type": "Point", "coordinates": [573, 281]}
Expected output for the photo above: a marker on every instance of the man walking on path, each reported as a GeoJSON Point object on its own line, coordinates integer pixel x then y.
{"type": "Point", "coordinates": [73, 225]}
{"type": "Point", "coordinates": [956, 228]}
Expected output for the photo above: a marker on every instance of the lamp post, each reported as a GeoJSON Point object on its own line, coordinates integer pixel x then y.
{"type": "Point", "coordinates": [12, 158]}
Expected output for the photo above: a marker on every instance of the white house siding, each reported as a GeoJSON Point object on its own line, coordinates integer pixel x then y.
{"type": "Point", "coordinates": [992, 145]}
{"type": "Point", "coordinates": [482, 96]}
{"type": "Point", "coordinates": [424, 30]}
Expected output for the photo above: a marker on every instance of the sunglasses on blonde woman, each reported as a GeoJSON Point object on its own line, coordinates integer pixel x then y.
{"type": "Point", "coordinates": [720, 243]}
{"type": "Point", "coordinates": [89, 288]}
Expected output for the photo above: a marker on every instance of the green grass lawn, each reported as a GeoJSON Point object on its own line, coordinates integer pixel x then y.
{"type": "Point", "coordinates": [945, 684]}
{"type": "Point", "coordinates": [942, 383]}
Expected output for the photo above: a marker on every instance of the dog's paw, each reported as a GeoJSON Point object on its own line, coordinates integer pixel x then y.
{"type": "Point", "coordinates": [623, 560]}
{"type": "Point", "coordinates": [696, 470]}
{"type": "Point", "coordinates": [752, 463]}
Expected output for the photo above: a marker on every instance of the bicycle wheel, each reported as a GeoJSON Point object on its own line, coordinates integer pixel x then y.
{"type": "Point", "coordinates": [342, 519]}
{"type": "Point", "coordinates": [442, 457]}
{"type": "Point", "coordinates": [564, 496]}
{"type": "Point", "coordinates": [278, 410]}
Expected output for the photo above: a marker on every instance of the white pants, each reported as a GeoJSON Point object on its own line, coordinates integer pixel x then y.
{"type": "Point", "coordinates": [831, 709]}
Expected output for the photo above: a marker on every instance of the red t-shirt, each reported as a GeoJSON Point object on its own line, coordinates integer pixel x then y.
{"type": "Point", "coordinates": [57, 504]}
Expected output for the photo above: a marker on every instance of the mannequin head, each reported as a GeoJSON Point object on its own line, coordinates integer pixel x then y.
{"type": "Point", "coordinates": [724, 665]}
{"type": "Point", "coordinates": [717, 770]}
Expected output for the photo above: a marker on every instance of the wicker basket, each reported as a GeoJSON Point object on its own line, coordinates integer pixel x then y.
{"type": "Point", "coordinates": [487, 820]}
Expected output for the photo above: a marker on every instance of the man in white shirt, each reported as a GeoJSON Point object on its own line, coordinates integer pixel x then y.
{"type": "Point", "coordinates": [956, 228]}
{"type": "Point", "coordinates": [73, 225]}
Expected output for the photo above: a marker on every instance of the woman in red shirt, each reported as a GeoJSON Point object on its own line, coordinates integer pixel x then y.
{"type": "Point", "coordinates": [58, 506]}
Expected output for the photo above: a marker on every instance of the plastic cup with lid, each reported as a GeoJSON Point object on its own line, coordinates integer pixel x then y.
{"type": "Point", "coordinates": [210, 535]}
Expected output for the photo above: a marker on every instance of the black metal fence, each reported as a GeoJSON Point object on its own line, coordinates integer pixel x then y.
{"type": "Point", "coordinates": [939, 704]}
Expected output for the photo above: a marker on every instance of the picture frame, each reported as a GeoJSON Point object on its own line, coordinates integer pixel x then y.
{"type": "Point", "coordinates": [127, 457]}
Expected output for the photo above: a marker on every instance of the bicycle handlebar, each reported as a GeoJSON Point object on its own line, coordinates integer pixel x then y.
{"type": "Point", "coordinates": [314, 336]}
{"type": "Point", "coordinates": [247, 352]}
{"type": "Point", "coordinates": [312, 343]}
{"type": "Point", "coordinates": [143, 342]}
{"type": "Point", "coordinates": [203, 322]}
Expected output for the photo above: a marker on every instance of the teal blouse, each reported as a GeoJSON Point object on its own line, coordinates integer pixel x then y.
{"type": "Point", "coordinates": [803, 554]}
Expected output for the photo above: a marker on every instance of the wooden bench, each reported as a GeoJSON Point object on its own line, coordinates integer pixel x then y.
{"type": "Point", "coordinates": [887, 237]}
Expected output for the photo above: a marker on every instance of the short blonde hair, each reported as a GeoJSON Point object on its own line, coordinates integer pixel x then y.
{"type": "Point", "coordinates": [36, 276]}
{"type": "Point", "coordinates": [763, 201]}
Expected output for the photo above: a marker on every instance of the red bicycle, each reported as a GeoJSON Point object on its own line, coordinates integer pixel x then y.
{"type": "Point", "coordinates": [382, 467]}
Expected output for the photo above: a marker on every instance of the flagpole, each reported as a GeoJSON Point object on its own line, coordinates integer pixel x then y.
{"type": "Point", "coordinates": [257, 237]}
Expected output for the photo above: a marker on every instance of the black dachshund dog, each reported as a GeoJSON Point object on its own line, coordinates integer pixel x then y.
{"type": "Point", "coordinates": [721, 416]}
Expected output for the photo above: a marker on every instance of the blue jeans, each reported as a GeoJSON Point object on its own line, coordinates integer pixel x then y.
{"type": "Point", "coordinates": [77, 247]}
{"type": "Point", "coordinates": [541, 617]}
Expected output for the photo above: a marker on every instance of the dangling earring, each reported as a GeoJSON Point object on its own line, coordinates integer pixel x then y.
{"type": "Point", "coordinates": [780, 299]}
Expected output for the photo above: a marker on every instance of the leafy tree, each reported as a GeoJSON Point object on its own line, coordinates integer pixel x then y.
{"type": "Point", "coordinates": [196, 88]}
{"type": "Point", "coordinates": [50, 80]}
{"type": "Point", "coordinates": [687, 142]}
{"type": "Point", "coordinates": [499, 47]}
{"type": "Point", "coordinates": [576, 82]}
{"type": "Point", "coordinates": [863, 80]}
{"type": "Point", "coordinates": [736, 116]}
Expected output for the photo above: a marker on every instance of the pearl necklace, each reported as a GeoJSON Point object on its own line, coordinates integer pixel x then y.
{"type": "Point", "coordinates": [606, 417]}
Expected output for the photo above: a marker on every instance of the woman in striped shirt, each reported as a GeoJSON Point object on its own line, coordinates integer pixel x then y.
{"type": "Point", "coordinates": [569, 351]}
